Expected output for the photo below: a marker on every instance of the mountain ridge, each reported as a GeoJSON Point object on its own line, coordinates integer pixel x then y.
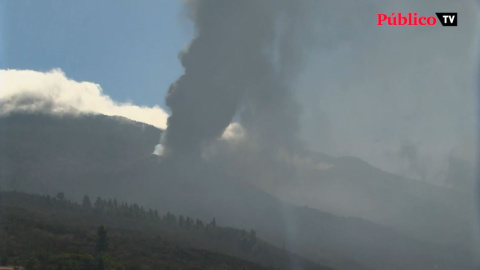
{"type": "Point", "coordinates": [344, 242]}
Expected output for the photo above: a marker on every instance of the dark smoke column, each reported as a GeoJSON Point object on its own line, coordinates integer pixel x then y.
{"type": "Point", "coordinates": [230, 63]}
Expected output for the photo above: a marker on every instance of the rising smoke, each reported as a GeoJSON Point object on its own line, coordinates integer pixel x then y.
{"type": "Point", "coordinates": [244, 62]}
{"type": "Point", "coordinates": [240, 64]}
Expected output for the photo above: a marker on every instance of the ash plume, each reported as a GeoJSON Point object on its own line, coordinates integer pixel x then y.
{"type": "Point", "coordinates": [239, 65]}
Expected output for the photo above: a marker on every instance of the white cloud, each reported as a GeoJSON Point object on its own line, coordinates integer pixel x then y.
{"type": "Point", "coordinates": [53, 92]}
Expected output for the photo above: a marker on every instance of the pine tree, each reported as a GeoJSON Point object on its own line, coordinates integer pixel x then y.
{"type": "Point", "coordinates": [213, 223]}
{"type": "Point", "coordinates": [99, 205]}
{"type": "Point", "coordinates": [86, 203]}
{"type": "Point", "coordinates": [102, 241]}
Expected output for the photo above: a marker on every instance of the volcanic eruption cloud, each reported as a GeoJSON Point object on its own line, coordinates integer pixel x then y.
{"type": "Point", "coordinates": [239, 65]}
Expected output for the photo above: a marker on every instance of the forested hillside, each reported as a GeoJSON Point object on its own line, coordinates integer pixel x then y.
{"type": "Point", "coordinates": [44, 232]}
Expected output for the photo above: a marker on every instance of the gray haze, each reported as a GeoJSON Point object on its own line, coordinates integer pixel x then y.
{"type": "Point", "coordinates": [320, 75]}
{"type": "Point", "coordinates": [401, 98]}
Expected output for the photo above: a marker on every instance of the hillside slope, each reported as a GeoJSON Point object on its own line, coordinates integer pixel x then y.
{"type": "Point", "coordinates": [37, 149]}
{"type": "Point", "coordinates": [44, 231]}
{"type": "Point", "coordinates": [98, 155]}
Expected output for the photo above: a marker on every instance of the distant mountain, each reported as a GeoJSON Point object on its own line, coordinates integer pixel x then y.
{"type": "Point", "coordinates": [351, 187]}
{"type": "Point", "coordinates": [111, 157]}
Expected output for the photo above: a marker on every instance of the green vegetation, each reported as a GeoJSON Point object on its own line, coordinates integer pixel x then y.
{"type": "Point", "coordinates": [43, 232]}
